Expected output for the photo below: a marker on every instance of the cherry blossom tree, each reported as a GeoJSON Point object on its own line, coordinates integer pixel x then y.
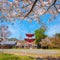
{"type": "Point", "coordinates": [4, 33]}
{"type": "Point", "coordinates": [28, 9]}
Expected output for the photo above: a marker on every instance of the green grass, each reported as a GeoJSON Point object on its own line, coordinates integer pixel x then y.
{"type": "Point", "coordinates": [4, 56]}
{"type": "Point", "coordinates": [14, 57]}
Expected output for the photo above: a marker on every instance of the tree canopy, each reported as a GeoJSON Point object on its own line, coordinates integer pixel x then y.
{"type": "Point", "coordinates": [55, 40]}
{"type": "Point", "coordinates": [24, 9]}
{"type": "Point", "coordinates": [39, 34]}
{"type": "Point", "coordinates": [57, 34]}
{"type": "Point", "coordinates": [4, 32]}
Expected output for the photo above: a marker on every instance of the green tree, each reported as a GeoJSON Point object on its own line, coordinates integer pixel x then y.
{"type": "Point", "coordinates": [39, 34]}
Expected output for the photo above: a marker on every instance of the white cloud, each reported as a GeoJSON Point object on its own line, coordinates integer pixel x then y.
{"type": "Point", "coordinates": [53, 30]}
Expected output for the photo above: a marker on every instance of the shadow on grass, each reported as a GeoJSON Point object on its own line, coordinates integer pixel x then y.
{"type": "Point", "coordinates": [48, 58]}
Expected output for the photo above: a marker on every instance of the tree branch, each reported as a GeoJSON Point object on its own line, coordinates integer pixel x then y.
{"type": "Point", "coordinates": [52, 4]}
{"type": "Point", "coordinates": [31, 8]}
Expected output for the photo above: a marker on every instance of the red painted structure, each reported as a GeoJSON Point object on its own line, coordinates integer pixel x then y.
{"type": "Point", "coordinates": [29, 35]}
{"type": "Point", "coordinates": [29, 38]}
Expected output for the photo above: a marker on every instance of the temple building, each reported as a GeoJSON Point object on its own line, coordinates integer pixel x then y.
{"type": "Point", "coordinates": [7, 44]}
{"type": "Point", "coordinates": [29, 40]}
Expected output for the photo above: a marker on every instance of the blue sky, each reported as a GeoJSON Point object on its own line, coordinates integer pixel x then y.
{"type": "Point", "coordinates": [21, 27]}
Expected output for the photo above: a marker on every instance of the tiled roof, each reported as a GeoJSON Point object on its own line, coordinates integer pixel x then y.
{"type": "Point", "coordinates": [0, 42]}
{"type": "Point", "coordinates": [8, 43]}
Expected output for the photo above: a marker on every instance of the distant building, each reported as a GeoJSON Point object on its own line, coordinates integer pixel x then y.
{"type": "Point", "coordinates": [25, 44]}
{"type": "Point", "coordinates": [7, 44]}
{"type": "Point", "coordinates": [20, 44]}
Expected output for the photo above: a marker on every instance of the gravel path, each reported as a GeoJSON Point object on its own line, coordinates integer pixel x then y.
{"type": "Point", "coordinates": [32, 51]}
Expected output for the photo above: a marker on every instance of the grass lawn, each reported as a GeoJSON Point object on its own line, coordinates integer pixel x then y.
{"type": "Point", "coordinates": [14, 57]}
{"type": "Point", "coordinates": [27, 54]}
{"type": "Point", "coordinates": [5, 56]}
